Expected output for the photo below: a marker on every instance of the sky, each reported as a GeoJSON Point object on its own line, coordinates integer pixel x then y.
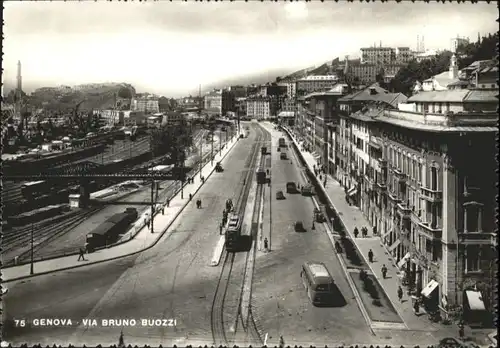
{"type": "Point", "coordinates": [170, 48]}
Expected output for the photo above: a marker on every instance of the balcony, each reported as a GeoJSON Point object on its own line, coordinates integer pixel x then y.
{"type": "Point", "coordinates": [403, 210]}
{"type": "Point", "coordinates": [382, 162]}
{"type": "Point", "coordinates": [398, 174]}
{"type": "Point", "coordinates": [431, 195]}
{"type": "Point", "coordinates": [477, 238]}
{"type": "Point", "coordinates": [369, 182]}
{"type": "Point", "coordinates": [431, 230]}
{"type": "Point", "coordinates": [393, 196]}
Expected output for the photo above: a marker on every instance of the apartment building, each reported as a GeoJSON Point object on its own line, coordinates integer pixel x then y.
{"type": "Point", "coordinates": [146, 105]}
{"type": "Point", "coordinates": [386, 55]}
{"type": "Point", "coordinates": [258, 108]}
{"type": "Point", "coordinates": [422, 174]}
{"type": "Point", "coordinates": [220, 101]}
{"type": "Point", "coordinates": [319, 109]}
{"type": "Point", "coordinates": [312, 84]}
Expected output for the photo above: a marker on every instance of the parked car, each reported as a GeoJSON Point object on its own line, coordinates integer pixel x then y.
{"type": "Point", "coordinates": [283, 156]}
{"type": "Point", "coordinates": [307, 190]}
{"type": "Point", "coordinates": [291, 187]}
{"type": "Point", "coordinates": [280, 195]}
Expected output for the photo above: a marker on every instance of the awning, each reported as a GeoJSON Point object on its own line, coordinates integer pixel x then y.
{"type": "Point", "coordinates": [395, 245]}
{"type": "Point", "coordinates": [385, 234]}
{"type": "Point", "coordinates": [352, 193]}
{"type": "Point", "coordinates": [430, 288]}
{"type": "Point", "coordinates": [403, 260]}
{"type": "Point", "coordinates": [351, 190]}
{"type": "Point", "coordinates": [375, 146]}
{"type": "Point", "coordinates": [475, 300]}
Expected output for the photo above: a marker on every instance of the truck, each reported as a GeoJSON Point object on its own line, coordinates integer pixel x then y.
{"type": "Point", "coordinates": [108, 232]}
{"type": "Point", "coordinates": [291, 187]}
{"type": "Point", "coordinates": [263, 150]}
{"type": "Point", "coordinates": [282, 142]}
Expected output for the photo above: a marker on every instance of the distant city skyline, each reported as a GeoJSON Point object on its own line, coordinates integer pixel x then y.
{"type": "Point", "coordinates": [172, 48]}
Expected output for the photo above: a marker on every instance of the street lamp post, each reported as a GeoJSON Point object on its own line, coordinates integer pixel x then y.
{"type": "Point", "coordinates": [220, 142]}
{"type": "Point", "coordinates": [152, 203]}
{"type": "Point", "coordinates": [212, 144]}
{"type": "Point", "coordinates": [182, 175]}
{"type": "Point", "coordinates": [201, 155]}
{"type": "Point", "coordinates": [31, 265]}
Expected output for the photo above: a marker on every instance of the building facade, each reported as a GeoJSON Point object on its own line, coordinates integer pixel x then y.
{"type": "Point", "coordinates": [258, 108]}
{"type": "Point", "coordinates": [220, 101]}
{"type": "Point", "coordinates": [418, 178]}
{"type": "Point", "coordinates": [146, 105]}
{"type": "Point", "coordinates": [312, 84]}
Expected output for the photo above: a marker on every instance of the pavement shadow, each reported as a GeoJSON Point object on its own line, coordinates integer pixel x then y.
{"type": "Point", "coordinates": [335, 300]}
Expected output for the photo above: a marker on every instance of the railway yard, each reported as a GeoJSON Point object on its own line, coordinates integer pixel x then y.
{"type": "Point", "coordinates": [65, 231]}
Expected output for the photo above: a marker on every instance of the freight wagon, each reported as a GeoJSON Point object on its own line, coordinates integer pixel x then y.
{"type": "Point", "coordinates": [108, 232]}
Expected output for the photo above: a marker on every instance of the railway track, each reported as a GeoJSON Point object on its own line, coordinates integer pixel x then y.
{"type": "Point", "coordinates": [226, 286]}
{"type": "Point", "coordinates": [19, 244]}
{"type": "Point", "coordinates": [16, 241]}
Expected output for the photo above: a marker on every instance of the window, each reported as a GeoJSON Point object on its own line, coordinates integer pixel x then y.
{"type": "Point", "coordinates": [473, 258]}
{"type": "Point", "coordinates": [420, 173]}
{"type": "Point", "coordinates": [437, 251]}
{"type": "Point", "coordinates": [434, 179]}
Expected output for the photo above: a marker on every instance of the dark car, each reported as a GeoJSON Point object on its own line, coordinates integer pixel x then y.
{"type": "Point", "coordinates": [280, 195]}
{"type": "Point", "coordinates": [299, 226]}
{"type": "Point", "coordinates": [307, 190]}
{"type": "Point", "coordinates": [291, 187]}
{"type": "Point", "coordinates": [283, 156]}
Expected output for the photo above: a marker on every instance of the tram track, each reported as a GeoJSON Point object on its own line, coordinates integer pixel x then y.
{"type": "Point", "coordinates": [231, 280]}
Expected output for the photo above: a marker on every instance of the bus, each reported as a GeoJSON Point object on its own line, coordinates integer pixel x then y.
{"type": "Point", "coordinates": [233, 232]}
{"type": "Point", "coordinates": [318, 282]}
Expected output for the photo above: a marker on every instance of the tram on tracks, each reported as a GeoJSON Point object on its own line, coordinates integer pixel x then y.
{"type": "Point", "coordinates": [233, 232]}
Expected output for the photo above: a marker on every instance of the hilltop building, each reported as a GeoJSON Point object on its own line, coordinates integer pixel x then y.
{"type": "Point", "coordinates": [386, 55]}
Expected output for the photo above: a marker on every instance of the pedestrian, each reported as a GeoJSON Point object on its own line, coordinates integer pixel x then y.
{"type": "Point", "coordinates": [163, 210]}
{"type": "Point", "coordinates": [81, 255]}
{"type": "Point", "coordinates": [282, 342]}
{"type": "Point", "coordinates": [400, 293]}
{"type": "Point", "coordinates": [364, 232]}
{"type": "Point", "coordinates": [416, 306]}
{"type": "Point", "coordinates": [374, 230]}
{"type": "Point", "coordinates": [148, 223]}
{"type": "Point", "coordinates": [168, 203]}
{"type": "Point", "coordinates": [461, 330]}
{"type": "Point", "coordinates": [200, 203]}
{"type": "Point", "coordinates": [220, 228]}
{"type": "Point", "coordinates": [320, 177]}
{"type": "Point", "coordinates": [356, 232]}
{"type": "Point", "coordinates": [370, 256]}
{"type": "Point", "coordinates": [190, 196]}
{"type": "Point", "coordinates": [384, 271]}
{"type": "Point", "coordinates": [266, 244]}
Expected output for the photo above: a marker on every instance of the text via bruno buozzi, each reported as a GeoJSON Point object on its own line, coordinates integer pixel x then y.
{"type": "Point", "coordinates": [111, 322]}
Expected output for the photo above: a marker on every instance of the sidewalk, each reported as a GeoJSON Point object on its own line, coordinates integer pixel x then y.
{"type": "Point", "coordinates": [144, 238]}
{"type": "Point", "coordinates": [353, 217]}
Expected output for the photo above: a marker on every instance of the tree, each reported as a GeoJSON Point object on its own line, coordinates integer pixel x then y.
{"type": "Point", "coordinates": [172, 140]}
{"type": "Point", "coordinates": [125, 93]}
{"type": "Point", "coordinates": [379, 77]}
{"type": "Point", "coordinates": [483, 49]}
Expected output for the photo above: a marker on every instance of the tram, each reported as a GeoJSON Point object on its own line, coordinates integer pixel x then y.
{"type": "Point", "coordinates": [233, 232]}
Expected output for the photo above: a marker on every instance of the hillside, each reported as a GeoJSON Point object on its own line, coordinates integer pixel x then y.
{"type": "Point", "coordinates": [91, 96]}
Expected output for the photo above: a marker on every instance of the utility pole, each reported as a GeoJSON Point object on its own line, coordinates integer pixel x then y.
{"type": "Point", "coordinates": [152, 203]}
{"type": "Point", "coordinates": [182, 175]}
{"type": "Point", "coordinates": [32, 251]}
{"type": "Point", "coordinates": [201, 155]}
{"type": "Point", "coordinates": [220, 142]}
{"type": "Point", "coordinates": [212, 142]}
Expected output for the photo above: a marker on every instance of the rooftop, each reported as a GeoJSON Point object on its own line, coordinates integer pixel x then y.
{"type": "Point", "coordinates": [456, 95]}
{"type": "Point", "coordinates": [377, 94]}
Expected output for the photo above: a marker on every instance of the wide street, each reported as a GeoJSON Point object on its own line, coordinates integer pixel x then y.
{"type": "Point", "coordinates": [173, 280]}
{"type": "Point", "coordinates": [280, 302]}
